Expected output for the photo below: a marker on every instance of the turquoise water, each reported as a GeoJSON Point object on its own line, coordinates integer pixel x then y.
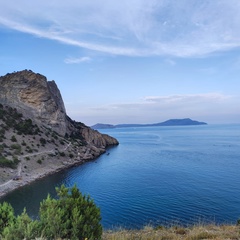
{"type": "Point", "coordinates": [157, 175]}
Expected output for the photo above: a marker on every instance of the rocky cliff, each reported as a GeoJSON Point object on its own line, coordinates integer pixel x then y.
{"type": "Point", "coordinates": [40, 100]}
{"type": "Point", "coordinates": [35, 97]}
{"type": "Point", "coordinates": [34, 125]}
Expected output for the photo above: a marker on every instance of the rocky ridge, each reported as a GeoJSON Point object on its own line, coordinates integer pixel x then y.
{"type": "Point", "coordinates": [36, 135]}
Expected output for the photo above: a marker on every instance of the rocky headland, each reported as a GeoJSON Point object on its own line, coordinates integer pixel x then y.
{"type": "Point", "coordinates": [37, 137]}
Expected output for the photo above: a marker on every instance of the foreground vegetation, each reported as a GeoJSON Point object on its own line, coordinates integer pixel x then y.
{"type": "Point", "coordinates": [196, 232]}
{"type": "Point", "coordinates": [71, 216]}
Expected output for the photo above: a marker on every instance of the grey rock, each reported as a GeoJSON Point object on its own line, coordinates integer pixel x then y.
{"type": "Point", "coordinates": [40, 100]}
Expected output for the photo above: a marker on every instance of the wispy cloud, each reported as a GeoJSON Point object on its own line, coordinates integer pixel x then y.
{"type": "Point", "coordinates": [72, 60]}
{"type": "Point", "coordinates": [133, 28]}
{"type": "Point", "coordinates": [159, 108]}
{"type": "Point", "coordinates": [187, 99]}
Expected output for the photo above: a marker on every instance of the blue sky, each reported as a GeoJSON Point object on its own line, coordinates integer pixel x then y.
{"type": "Point", "coordinates": [130, 61]}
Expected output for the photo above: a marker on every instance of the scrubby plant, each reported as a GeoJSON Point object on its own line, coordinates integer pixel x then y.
{"type": "Point", "coordinates": [13, 139]}
{"type": "Point", "coordinates": [22, 228]}
{"type": "Point", "coordinates": [17, 148]}
{"type": "Point", "coordinates": [4, 162]}
{"type": "Point", "coordinates": [71, 216]}
{"type": "Point", "coordinates": [43, 141]}
{"type": "Point", "coordinates": [6, 216]}
{"type": "Point", "coordinates": [39, 161]}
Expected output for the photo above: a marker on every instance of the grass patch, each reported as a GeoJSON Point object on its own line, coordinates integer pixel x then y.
{"type": "Point", "coordinates": [197, 232]}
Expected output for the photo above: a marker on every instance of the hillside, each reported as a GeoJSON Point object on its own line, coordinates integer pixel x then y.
{"type": "Point", "coordinates": [36, 135]}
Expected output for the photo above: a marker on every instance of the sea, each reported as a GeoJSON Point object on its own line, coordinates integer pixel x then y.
{"type": "Point", "coordinates": [157, 175]}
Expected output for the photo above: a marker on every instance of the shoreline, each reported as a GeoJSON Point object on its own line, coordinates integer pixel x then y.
{"type": "Point", "coordinates": [11, 185]}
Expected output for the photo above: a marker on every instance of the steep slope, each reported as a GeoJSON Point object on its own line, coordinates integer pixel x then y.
{"type": "Point", "coordinates": [36, 135]}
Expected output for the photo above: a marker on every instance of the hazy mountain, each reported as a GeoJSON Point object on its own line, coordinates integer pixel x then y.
{"type": "Point", "coordinates": [170, 122]}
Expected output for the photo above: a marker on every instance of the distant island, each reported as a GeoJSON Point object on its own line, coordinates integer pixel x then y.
{"type": "Point", "coordinates": [170, 122]}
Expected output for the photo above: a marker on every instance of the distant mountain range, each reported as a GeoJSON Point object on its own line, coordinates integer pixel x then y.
{"type": "Point", "coordinates": [170, 122]}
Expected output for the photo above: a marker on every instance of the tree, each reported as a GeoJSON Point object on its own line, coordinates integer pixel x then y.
{"type": "Point", "coordinates": [6, 216]}
{"type": "Point", "coordinates": [72, 216]}
{"type": "Point", "coordinates": [22, 228]}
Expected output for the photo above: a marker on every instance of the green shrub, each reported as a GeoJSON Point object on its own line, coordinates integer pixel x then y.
{"type": "Point", "coordinates": [17, 148]}
{"type": "Point", "coordinates": [6, 216]}
{"type": "Point", "coordinates": [43, 141]}
{"type": "Point", "coordinates": [71, 216]}
{"type": "Point", "coordinates": [26, 127]}
{"type": "Point", "coordinates": [13, 139]}
{"type": "Point", "coordinates": [4, 162]}
{"type": "Point", "coordinates": [22, 228]}
{"type": "Point", "coordinates": [39, 161]}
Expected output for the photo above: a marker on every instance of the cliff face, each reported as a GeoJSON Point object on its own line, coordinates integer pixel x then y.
{"type": "Point", "coordinates": [40, 100]}
{"type": "Point", "coordinates": [35, 97]}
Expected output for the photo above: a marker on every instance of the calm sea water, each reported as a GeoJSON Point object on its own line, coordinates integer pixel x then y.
{"type": "Point", "coordinates": [157, 175]}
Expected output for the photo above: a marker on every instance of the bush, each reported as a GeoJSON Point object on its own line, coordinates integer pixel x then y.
{"type": "Point", "coordinates": [13, 139]}
{"type": "Point", "coordinates": [71, 216]}
{"type": "Point", "coordinates": [6, 216]}
{"type": "Point", "coordinates": [17, 148]}
{"type": "Point", "coordinates": [39, 161]}
{"type": "Point", "coordinates": [4, 162]}
{"type": "Point", "coordinates": [43, 141]}
{"type": "Point", "coordinates": [22, 228]}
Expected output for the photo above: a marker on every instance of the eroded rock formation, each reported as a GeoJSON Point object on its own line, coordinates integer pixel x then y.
{"type": "Point", "coordinates": [40, 100]}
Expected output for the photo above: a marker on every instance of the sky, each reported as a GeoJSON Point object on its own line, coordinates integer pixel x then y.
{"type": "Point", "coordinates": [130, 61]}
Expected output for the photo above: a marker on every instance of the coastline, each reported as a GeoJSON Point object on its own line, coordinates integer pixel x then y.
{"type": "Point", "coordinates": [42, 172]}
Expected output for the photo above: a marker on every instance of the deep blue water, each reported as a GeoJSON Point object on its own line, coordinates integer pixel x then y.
{"type": "Point", "coordinates": [157, 175]}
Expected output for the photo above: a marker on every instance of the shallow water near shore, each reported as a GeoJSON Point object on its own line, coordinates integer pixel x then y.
{"type": "Point", "coordinates": [157, 175]}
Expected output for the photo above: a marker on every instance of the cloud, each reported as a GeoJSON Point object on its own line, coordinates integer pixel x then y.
{"type": "Point", "coordinates": [186, 28]}
{"type": "Point", "coordinates": [71, 60]}
{"type": "Point", "coordinates": [172, 101]}
{"type": "Point", "coordinates": [191, 98]}
{"type": "Point", "coordinates": [215, 107]}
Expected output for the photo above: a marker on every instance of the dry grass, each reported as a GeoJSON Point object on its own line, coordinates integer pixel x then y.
{"type": "Point", "coordinates": [196, 232]}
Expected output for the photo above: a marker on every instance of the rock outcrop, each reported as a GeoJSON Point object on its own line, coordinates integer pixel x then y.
{"type": "Point", "coordinates": [40, 100]}
{"type": "Point", "coordinates": [36, 98]}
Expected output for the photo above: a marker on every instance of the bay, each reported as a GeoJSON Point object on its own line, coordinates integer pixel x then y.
{"type": "Point", "coordinates": [157, 175]}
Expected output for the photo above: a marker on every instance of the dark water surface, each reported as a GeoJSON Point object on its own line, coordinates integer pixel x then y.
{"type": "Point", "coordinates": [156, 175]}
